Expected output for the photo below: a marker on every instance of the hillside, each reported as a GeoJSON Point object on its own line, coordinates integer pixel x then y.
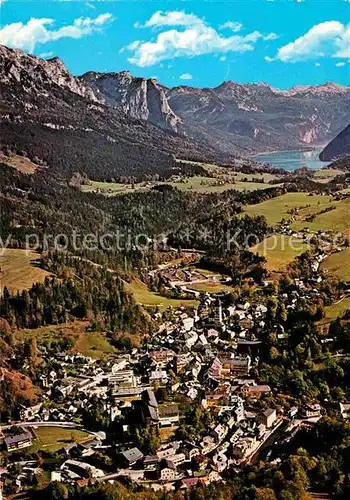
{"type": "Point", "coordinates": [338, 147]}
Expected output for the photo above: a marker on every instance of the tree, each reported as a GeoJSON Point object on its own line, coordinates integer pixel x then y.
{"type": "Point", "coordinates": [265, 494]}
{"type": "Point", "coordinates": [56, 491]}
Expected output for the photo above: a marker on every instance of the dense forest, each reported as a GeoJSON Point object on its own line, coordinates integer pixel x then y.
{"type": "Point", "coordinates": [32, 204]}
{"type": "Point", "coordinates": [78, 289]}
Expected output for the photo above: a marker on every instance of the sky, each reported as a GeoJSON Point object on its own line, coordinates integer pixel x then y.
{"type": "Point", "coordinates": [199, 43]}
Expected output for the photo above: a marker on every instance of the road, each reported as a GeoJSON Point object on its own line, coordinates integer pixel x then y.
{"type": "Point", "coordinates": [70, 425]}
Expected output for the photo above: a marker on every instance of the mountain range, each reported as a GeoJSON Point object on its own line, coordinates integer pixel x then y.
{"type": "Point", "coordinates": [53, 117]}
{"type": "Point", "coordinates": [116, 127]}
{"type": "Point", "coordinates": [235, 118]}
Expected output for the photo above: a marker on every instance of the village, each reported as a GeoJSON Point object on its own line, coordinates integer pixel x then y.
{"type": "Point", "coordinates": [205, 359]}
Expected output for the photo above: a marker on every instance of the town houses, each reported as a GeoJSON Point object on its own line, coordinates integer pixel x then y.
{"type": "Point", "coordinates": [188, 402]}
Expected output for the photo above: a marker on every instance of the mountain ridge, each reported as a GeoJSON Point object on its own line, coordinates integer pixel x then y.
{"type": "Point", "coordinates": [234, 117]}
{"type": "Point", "coordinates": [48, 114]}
{"type": "Point", "coordinates": [49, 106]}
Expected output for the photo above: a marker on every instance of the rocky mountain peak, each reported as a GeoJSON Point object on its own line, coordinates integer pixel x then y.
{"type": "Point", "coordinates": [58, 62]}
{"type": "Point", "coordinates": [140, 98]}
{"type": "Point", "coordinates": [37, 75]}
{"type": "Point", "coordinates": [228, 84]}
{"type": "Point", "coordinates": [327, 89]}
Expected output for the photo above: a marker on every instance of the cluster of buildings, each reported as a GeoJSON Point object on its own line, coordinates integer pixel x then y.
{"type": "Point", "coordinates": [205, 358]}
{"type": "Point", "coordinates": [202, 358]}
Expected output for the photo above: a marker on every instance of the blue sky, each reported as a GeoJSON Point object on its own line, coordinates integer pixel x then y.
{"type": "Point", "coordinates": [283, 43]}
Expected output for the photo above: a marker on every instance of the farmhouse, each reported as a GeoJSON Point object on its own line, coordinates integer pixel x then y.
{"type": "Point", "coordinates": [18, 441]}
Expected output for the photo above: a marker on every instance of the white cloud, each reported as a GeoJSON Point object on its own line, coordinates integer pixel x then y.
{"type": "Point", "coordinates": [103, 19]}
{"type": "Point", "coordinates": [232, 25]}
{"type": "Point", "coordinates": [45, 55]}
{"type": "Point", "coordinates": [186, 76]}
{"type": "Point", "coordinates": [196, 38]}
{"type": "Point", "coordinates": [331, 38]}
{"type": "Point", "coordinates": [223, 58]}
{"type": "Point", "coordinates": [317, 64]}
{"type": "Point", "coordinates": [271, 36]}
{"type": "Point", "coordinates": [170, 18]}
{"type": "Point", "coordinates": [340, 64]}
{"type": "Point", "coordinates": [39, 31]}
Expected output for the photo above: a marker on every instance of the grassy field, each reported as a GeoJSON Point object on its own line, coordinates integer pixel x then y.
{"type": "Point", "coordinates": [338, 265]}
{"type": "Point", "coordinates": [279, 250]}
{"type": "Point", "coordinates": [19, 269]}
{"type": "Point", "coordinates": [148, 298]}
{"type": "Point", "coordinates": [55, 438]}
{"type": "Point", "coordinates": [219, 171]}
{"type": "Point", "coordinates": [336, 220]}
{"type": "Point", "coordinates": [335, 311]}
{"type": "Point", "coordinates": [279, 208]}
{"type": "Point", "coordinates": [94, 344]}
{"type": "Point", "coordinates": [197, 184]}
{"type": "Point", "coordinates": [113, 188]}
{"type": "Point", "coordinates": [210, 287]}
{"type": "Point", "coordinates": [210, 185]}
{"type": "Point", "coordinates": [222, 181]}
{"type": "Point", "coordinates": [20, 163]}
{"type": "Point", "coordinates": [224, 173]}
{"type": "Point", "coordinates": [324, 175]}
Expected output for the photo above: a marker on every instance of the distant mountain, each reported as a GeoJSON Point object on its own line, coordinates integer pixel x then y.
{"type": "Point", "coordinates": [338, 148]}
{"type": "Point", "coordinates": [234, 118]}
{"type": "Point", "coordinates": [257, 117]}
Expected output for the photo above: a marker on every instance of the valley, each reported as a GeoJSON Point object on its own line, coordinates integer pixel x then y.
{"type": "Point", "coordinates": [217, 179]}
{"type": "Point", "coordinates": [171, 304]}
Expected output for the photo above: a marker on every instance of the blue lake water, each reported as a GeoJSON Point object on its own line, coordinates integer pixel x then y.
{"type": "Point", "coordinates": [291, 160]}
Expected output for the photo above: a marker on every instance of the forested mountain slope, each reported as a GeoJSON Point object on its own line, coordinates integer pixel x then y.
{"type": "Point", "coordinates": [49, 115]}
{"type": "Point", "coordinates": [338, 147]}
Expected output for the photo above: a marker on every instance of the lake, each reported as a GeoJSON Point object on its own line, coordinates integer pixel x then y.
{"type": "Point", "coordinates": [291, 160]}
